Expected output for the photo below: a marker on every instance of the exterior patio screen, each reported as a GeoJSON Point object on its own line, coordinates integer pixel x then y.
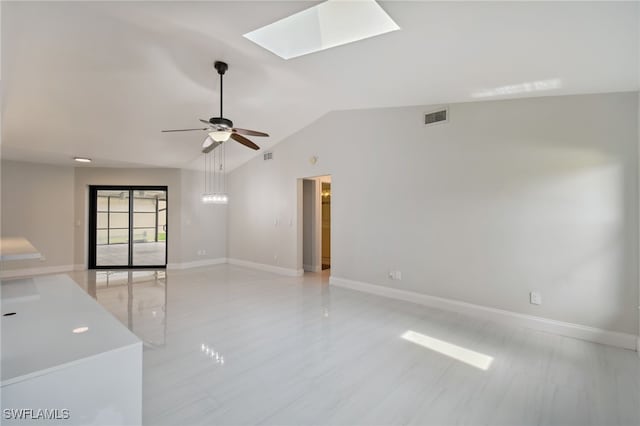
{"type": "Point", "coordinates": [127, 227]}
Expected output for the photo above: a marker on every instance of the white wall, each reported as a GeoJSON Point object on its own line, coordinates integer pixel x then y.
{"type": "Point", "coordinates": [204, 226]}
{"type": "Point", "coordinates": [85, 176]}
{"type": "Point", "coordinates": [508, 197]}
{"type": "Point", "coordinates": [37, 203]}
{"type": "Point", "coordinates": [49, 206]}
{"type": "Point", "coordinates": [309, 261]}
{"type": "Point", "coordinates": [193, 226]}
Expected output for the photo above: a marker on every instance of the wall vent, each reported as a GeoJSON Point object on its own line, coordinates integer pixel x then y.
{"type": "Point", "coordinates": [436, 117]}
{"type": "Point", "coordinates": [267, 156]}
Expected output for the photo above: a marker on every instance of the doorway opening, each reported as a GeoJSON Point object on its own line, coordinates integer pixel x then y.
{"type": "Point", "coordinates": [127, 227]}
{"type": "Point", "coordinates": [316, 223]}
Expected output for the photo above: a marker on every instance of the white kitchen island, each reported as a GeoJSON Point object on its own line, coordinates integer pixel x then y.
{"type": "Point", "coordinates": [62, 351]}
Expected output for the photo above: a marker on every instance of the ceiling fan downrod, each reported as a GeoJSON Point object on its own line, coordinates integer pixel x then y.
{"type": "Point", "coordinates": [221, 67]}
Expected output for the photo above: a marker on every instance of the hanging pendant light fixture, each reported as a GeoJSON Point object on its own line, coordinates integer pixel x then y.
{"type": "Point", "coordinates": [215, 176]}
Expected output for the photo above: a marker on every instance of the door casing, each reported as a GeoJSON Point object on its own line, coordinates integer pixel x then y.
{"type": "Point", "coordinates": [92, 222]}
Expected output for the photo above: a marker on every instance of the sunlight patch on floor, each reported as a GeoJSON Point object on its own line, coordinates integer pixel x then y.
{"type": "Point", "coordinates": [459, 353]}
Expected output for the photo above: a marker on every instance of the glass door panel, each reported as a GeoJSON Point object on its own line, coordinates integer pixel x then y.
{"type": "Point", "coordinates": [128, 227]}
{"type": "Point", "coordinates": [149, 212]}
{"type": "Point", "coordinates": [112, 228]}
{"type": "Point", "coordinates": [162, 220]}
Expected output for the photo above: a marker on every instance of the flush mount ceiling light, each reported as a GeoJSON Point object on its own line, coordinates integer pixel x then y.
{"type": "Point", "coordinates": [82, 159]}
{"type": "Point", "coordinates": [329, 24]}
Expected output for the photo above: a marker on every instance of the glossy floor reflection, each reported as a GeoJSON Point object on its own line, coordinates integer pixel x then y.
{"type": "Point", "coordinates": [144, 253]}
{"type": "Point", "coordinates": [249, 347]}
{"type": "Point", "coordinates": [137, 298]}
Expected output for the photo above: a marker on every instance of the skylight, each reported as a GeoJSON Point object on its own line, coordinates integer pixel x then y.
{"type": "Point", "coordinates": [329, 24]}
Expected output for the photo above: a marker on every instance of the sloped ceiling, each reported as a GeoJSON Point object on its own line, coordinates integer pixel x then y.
{"type": "Point", "coordinates": [102, 79]}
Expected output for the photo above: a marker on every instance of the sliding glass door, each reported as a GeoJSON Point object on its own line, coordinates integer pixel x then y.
{"type": "Point", "coordinates": [149, 227]}
{"type": "Point", "coordinates": [112, 232]}
{"type": "Point", "coordinates": [127, 227]}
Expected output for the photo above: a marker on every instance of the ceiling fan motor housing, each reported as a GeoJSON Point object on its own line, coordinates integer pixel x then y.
{"type": "Point", "coordinates": [221, 122]}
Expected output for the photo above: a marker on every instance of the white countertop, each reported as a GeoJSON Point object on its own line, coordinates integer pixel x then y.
{"type": "Point", "coordinates": [39, 338]}
{"type": "Point", "coordinates": [17, 248]}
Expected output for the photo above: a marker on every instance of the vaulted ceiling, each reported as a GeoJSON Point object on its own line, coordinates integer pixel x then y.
{"type": "Point", "coordinates": [101, 79]}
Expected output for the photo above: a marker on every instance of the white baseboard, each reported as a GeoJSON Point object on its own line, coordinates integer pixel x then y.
{"type": "Point", "coordinates": [27, 272]}
{"type": "Point", "coordinates": [268, 268]}
{"type": "Point", "coordinates": [312, 268]}
{"type": "Point", "coordinates": [197, 263]}
{"type": "Point", "coordinates": [592, 334]}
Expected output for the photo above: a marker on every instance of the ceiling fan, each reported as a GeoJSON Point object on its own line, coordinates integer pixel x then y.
{"type": "Point", "coordinates": [220, 129]}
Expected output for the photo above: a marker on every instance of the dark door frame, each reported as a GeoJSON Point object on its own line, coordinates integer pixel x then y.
{"type": "Point", "coordinates": [93, 225]}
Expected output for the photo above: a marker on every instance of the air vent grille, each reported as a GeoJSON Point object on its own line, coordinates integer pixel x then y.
{"type": "Point", "coordinates": [436, 117]}
{"type": "Point", "coordinates": [267, 156]}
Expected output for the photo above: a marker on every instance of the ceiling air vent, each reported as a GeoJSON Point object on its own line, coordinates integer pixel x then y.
{"type": "Point", "coordinates": [436, 117]}
{"type": "Point", "coordinates": [267, 156]}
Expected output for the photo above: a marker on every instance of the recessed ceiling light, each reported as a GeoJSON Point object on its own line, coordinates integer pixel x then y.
{"type": "Point", "coordinates": [329, 24]}
{"type": "Point", "coordinates": [82, 159]}
{"type": "Point", "coordinates": [80, 330]}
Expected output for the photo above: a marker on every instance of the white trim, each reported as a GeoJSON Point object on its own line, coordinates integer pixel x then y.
{"type": "Point", "coordinates": [269, 268]}
{"type": "Point", "coordinates": [578, 331]}
{"type": "Point", "coordinates": [26, 272]}
{"type": "Point", "coordinates": [21, 256]}
{"type": "Point", "coordinates": [197, 263]}
{"type": "Point", "coordinates": [312, 268]}
{"type": "Point", "coordinates": [316, 218]}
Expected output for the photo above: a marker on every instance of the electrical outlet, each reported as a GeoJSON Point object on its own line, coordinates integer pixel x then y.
{"type": "Point", "coordinates": [535, 298]}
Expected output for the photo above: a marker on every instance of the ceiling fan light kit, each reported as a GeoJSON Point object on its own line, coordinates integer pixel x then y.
{"type": "Point", "coordinates": [220, 135]}
{"type": "Point", "coordinates": [219, 130]}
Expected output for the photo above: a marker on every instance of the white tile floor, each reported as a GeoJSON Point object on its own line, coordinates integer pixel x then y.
{"type": "Point", "coordinates": [294, 351]}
